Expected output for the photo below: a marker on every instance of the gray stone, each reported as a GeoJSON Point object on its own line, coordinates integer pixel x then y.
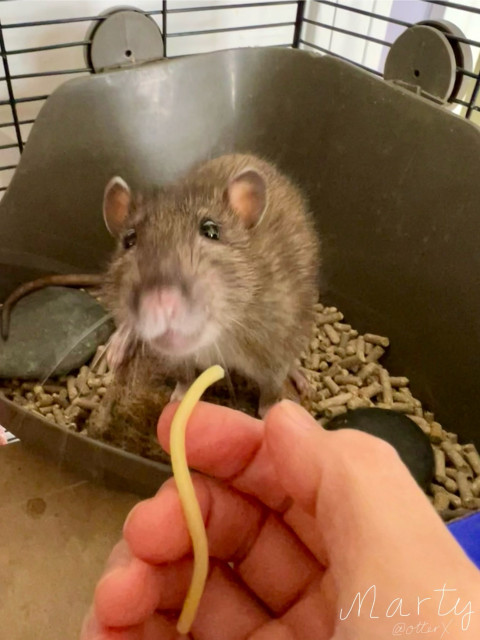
{"type": "Point", "coordinates": [44, 329]}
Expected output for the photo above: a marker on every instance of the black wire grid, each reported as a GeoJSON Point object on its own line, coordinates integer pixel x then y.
{"type": "Point", "coordinates": [297, 27]}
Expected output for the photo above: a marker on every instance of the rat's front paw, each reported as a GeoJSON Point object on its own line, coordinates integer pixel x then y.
{"type": "Point", "coordinates": [179, 392]}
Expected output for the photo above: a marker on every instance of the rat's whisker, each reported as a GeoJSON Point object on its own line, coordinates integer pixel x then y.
{"type": "Point", "coordinates": [81, 337]}
{"type": "Point", "coordinates": [228, 377]}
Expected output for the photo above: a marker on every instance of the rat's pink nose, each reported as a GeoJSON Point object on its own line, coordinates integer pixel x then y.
{"type": "Point", "coordinates": [166, 301]}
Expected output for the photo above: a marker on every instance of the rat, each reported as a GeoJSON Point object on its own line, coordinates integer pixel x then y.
{"type": "Point", "coordinates": [219, 267]}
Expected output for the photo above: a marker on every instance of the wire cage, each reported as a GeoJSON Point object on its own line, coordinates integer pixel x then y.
{"type": "Point", "coordinates": [44, 43]}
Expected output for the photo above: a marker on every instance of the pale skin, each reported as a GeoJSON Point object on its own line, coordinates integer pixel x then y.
{"type": "Point", "coordinates": [308, 518]}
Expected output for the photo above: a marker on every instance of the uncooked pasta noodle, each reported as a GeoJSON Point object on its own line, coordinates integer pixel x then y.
{"type": "Point", "coordinates": [188, 499]}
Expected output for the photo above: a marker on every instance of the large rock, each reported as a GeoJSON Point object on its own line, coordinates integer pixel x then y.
{"type": "Point", "coordinates": [44, 330]}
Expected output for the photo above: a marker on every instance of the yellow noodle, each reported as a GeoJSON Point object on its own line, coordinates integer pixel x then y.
{"type": "Point", "coordinates": [188, 499]}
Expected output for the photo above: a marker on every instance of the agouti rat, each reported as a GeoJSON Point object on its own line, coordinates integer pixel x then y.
{"type": "Point", "coordinates": [220, 267]}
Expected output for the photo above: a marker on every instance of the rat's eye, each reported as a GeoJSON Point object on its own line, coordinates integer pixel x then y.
{"type": "Point", "coordinates": [210, 229]}
{"type": "Point", "coordinates": [129, 239]}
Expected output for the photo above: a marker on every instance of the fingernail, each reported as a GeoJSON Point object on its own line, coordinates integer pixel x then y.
{"type": "Point", "coordinates": [297, 415]}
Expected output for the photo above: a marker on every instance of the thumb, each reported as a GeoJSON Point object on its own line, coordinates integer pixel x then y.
{"type": "Point", "coordinates": [346, 474]}
{"type": "Point", "coordinates": [296, 444]}
{"type": "Point", "coordinates": [319, 468]}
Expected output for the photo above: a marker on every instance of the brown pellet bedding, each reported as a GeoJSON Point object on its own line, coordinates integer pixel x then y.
{"type": "Point", "coordinates": [343, 370]}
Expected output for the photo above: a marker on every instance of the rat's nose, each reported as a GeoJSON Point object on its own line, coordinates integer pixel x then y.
{"type": "Point", "coordinates": [158, 309]}
{"type": "Point", "coordinates": [166, 301]}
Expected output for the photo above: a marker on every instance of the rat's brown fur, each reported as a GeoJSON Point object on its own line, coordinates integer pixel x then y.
{"type": "Point", "coordinates": [260, 283]}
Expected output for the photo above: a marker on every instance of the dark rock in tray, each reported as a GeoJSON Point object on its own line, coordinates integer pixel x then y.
{"type": "Point", "coordinates": [412, 445]}
{"type": "Point", "coordinates": [44, 329]}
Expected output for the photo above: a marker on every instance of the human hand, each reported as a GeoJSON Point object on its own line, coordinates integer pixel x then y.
{"type": "Point", "coordinates": [299, 520]}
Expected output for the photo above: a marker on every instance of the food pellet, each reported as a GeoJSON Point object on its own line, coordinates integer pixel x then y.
{"type": "Point", "coordinates": [333, 370]}
{"type": "Point", "coordinates": [81, 382]}
{"type": "Point", "coordinates": [352, 350]}
{"type": "Point", "coordinates": [399, 381]}
{"type": "Point", "coordinates": [440, 471]}
{"type": "Point", "coordinates": [73, 412]}
{"type": "Point", "coordinates": [44, 400]}
{"type": "Point", "coordinates": [453, 514]}
{"type": "Point", "coordinates": [93, 382]}
{"type": "Point", "coordinates": [85, 403]}
{"type": "Point", "coordinates": [357, 403]}
{"type": "Point", "coordinates": [367, 371]}
{"type": "Point", "coordinates": [386, 386]}
{"type": "Point", "coordinates": [476, 487]}
{"type": "Point", "coordinates": [465, 490]}
{"type": "Point", "coordinates": [329, 318]}
{"type": "Point", "coordinates": [340, 399]}
{"type": "Point", "coordinates": [344, 338]}
{"type": "Point", "coordinates": [44, 410]}
{"type": "Point", "coordinates": [58, 415]}
{"type": "Point", "coordinates": [473, 458]}
{"type": "Point", "coordinates": [377, 340]}
{"type": "Point", "coordinates": [350, 362]}
{"type": "Point", "coordinates": [331, 385]}
{"type": "Point", "coordinates": [342, 379]}
{"type": "Point", "coordinates": [441, 499]}
{"type": "Point", "coordinates": [71, 388]}
{"type": "Point", "coordinates": [454, 457]}
{"type": "Point", "coordinates": [331, 333]}
{"type": "Point", "coordinates": [361, 348]}
{"type": "Point", "coordinates": [400, 396]}
{"type": "Point", "coordinates": [372, 390]}
{"type": "Point", "coordinates": [450, 485]}
{"type": "Point", "coordinates": [61, 399]}
{"type": "Point", "coordinates": [315, 361]}
{"type": "Point", "coordinates": [352, 388]}
{"type": "Point", "coordinates": [401, 407]}
{"type": "Point", "coordinates": [335, 411]}
{"type": "Point", "coordinates": [375, 354]}
{"type": "Point", "coordinates": [436, 433]}
{"type": "Point", "coordinates": [422, 423]}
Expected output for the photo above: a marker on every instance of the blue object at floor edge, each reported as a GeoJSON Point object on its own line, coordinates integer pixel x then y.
{"type": "Point", "coordinates": [467, 533]}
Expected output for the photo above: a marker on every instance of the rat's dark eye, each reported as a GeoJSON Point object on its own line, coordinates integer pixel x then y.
{"type": "Point", "coordinates": [129, 239]}
{"type": "Point", "coordinates": [210, 229]}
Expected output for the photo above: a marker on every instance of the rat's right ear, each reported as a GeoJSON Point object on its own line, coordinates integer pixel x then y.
{"type": "Point", "coordinates": [116, 203]}
{"type": "Point", "coordinates": [247, 196]}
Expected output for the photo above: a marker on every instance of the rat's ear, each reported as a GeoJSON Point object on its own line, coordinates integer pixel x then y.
{"type": "Point", "coordinates": [247, 195]}
{"type": "Point", "coordinates": [116, 203]}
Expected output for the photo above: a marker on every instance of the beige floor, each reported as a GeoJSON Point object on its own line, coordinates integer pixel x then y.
{"type": "Point", "coordinates": [56, 531]}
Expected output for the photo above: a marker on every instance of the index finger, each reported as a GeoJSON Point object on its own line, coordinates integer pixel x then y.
{"type": "Point", "coordinates": [228, 445]}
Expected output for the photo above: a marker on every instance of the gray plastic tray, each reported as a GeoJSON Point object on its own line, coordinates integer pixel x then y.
{"type": "Point", "coordinates": [393, 181]}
